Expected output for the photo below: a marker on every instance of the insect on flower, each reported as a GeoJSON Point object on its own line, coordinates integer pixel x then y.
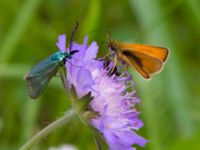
{"type": "Point", "coordinates": [39, 76]}
{"type": "Point", "coordinates": [145, 59]}
{"type": "Point", "coordinates": [114, 99]}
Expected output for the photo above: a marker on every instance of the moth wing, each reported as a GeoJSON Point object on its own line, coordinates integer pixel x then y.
{"type": "Point", "coordinates": [36, 84]}
{"type": "Point", "coordinates": [39, 76]}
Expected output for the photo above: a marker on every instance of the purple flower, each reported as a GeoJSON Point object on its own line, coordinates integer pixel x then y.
{"type": "Point", "coordinates": [118, 117]}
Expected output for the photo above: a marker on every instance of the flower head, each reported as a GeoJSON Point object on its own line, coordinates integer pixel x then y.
{"type": "Point", "coordinates": [118, 117]}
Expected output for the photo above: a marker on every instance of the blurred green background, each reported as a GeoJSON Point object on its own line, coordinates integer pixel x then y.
{"type": "Point", "coordinates": [170, 105]}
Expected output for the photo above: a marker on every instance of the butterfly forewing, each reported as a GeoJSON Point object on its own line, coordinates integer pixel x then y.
{"type": "Point", "coordinates": [153, 51]}
{"type": "Point", "coordinates": [144, 64]}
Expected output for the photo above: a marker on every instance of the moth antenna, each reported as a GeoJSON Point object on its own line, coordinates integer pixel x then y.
{"type": "Point", "coordinates": [72, 35]}
{"type": "Point", "coordinates": [73, 64]}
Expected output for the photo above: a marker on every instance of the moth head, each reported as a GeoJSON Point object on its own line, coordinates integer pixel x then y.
{"type": "Point", "coordinates": [73, 52]}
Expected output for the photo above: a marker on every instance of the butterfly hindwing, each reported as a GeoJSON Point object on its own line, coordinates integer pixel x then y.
{"type": "Point", "coordinates": [144, 64]}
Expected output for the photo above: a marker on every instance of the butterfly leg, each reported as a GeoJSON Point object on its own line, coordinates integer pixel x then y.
{"type": "Point", "coordinates": [125, 66]}
{"type": "Point", "coordinates": [114, 65]}
{"type": "Point", "coordinates": [108, 54]}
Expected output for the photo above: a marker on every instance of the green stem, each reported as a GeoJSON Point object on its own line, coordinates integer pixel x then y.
{"type": "Point", "coordinates": [97, 142]}
{"type": "Point", "coordinates": [50, 128]}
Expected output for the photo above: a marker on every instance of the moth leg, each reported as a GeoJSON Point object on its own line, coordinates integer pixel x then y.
{"type": "Point", "coordinates": [73, 64]}
{"type": "Point", "coordinates": [62, 72]}
{"type": "Point", "coordinates": [58, 75]}
{"type": "Point", "coordinates": [63, 78]}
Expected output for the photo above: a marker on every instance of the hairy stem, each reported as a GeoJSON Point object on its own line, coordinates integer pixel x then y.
{"type": "Point", "coordinates": [50, 128]}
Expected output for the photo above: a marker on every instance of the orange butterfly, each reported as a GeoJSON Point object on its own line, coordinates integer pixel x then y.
{"type": "Point", "coordinates": [145, 59]}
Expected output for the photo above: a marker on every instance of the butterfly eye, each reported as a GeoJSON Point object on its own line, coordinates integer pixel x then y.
{"type": "Point", "coordinates": [112, 47]}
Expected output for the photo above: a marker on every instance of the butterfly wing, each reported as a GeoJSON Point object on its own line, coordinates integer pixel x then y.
{"type": "Point", "coordinates": [143, 63]}
{"type": "Point", "coordinates": [160, 53]}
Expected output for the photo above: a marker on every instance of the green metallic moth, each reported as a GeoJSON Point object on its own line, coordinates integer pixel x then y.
{"type": "Point", "coordinates": [39, 76]}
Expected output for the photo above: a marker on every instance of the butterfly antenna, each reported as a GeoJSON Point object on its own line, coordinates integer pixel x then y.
{"type": "Point", "coordinates": [109, 36]}
{"type": "Point", "coordinates": [94, 30]}
{"type": "Point", "coordinates": [97, 29]}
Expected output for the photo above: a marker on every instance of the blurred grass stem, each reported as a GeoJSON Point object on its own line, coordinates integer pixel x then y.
{"type": "Point", "coordinates": [18, 28]}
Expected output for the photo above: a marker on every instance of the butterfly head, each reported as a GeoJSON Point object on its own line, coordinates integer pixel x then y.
{"type": "Point", "coordinates": [112, 46]}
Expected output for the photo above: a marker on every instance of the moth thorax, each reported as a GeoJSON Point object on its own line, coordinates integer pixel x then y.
{"type": "Point", "coordinates": [58, 56]}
